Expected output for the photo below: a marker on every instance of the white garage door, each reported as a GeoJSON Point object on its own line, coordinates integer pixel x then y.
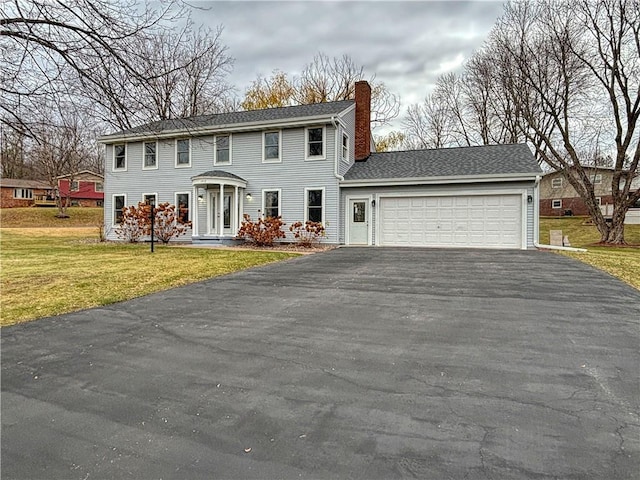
{"type": "Point", "coordinates": [489, 221]}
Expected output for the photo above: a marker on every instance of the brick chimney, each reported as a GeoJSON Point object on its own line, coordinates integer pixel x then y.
{"type": "Point", "coordinates": [362, 143]}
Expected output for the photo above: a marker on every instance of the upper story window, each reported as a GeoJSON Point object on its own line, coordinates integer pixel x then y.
{"type": "Point", "coordinates": [597, 179]}
{"type": "Point", "coordinates": [271, 203]}
{"type": "Point", "coordinates": [182, 206]}
{"type": "Point", "coordinates": [150, 156]}
{"type": "Point", "coordinates": [120, 156]}
{"type": "Point", "coordinates": [75, 186]}
{"type": "Point", "coordinates": [99, 187]}
{"type": "Point", "coordinates": [23, 193]}
{"type": "Point", "coordinates": [315, 143]}
{"type": "Point", "coordinates": [345, 147]}
{"type": "Point", "coordinates": [223, 150]}
{"type": "Point", "coordinates": [556, 183]}
{"type": "Point", "coordinates": [118, 206]}
{"type": "Point", "coordinates": [271, 147]}
{"type": "Point", "coordinates": [183, 153]}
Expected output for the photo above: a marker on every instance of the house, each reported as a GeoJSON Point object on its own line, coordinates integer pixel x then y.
{"type": "Point", "coordinates": [317, 162]}
{"type": "Point", "coordinates": [559, 198]}
{"type": "Point", "coordinates": [23, 193]}
{"type": "Point", "coordinates": [85, 189]}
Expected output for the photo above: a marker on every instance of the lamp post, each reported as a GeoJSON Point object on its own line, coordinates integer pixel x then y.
{"type": "Point", "coordinates": [152, 203]}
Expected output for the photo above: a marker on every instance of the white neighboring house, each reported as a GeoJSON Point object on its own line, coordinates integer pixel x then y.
{"type": "Point", "coordinates": [317, 162]}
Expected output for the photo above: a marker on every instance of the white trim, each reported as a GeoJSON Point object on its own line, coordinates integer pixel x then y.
{"type": "Point", "coordinates": [155, 196]}
{"type": "Point", "coordinates": [272, 160]}
{"type": "Point", "coordinates": [417, 181]}
{"type": "Point", "coordinates": [347, 216]}
{"type": "Point", "coordinates": [553, 204]}
{"type": "Point", "coordinates": [306, 203]}
{"type": "Point", "coordinates": [176, 153]}
{"type": "Point", "coordinates": [144, 155]}
{"type": "Point", "coordinates": [189, 208]}
{"type": "Point", "coordinates": [307, 157]}
{"type": "Point", "coordinates": [554, 180]}
{"type": "Point", "coordinates": [113, 205]}
{"type": "Point", "coordinates": [215, 149]}
{"type": "Point", "coordinates": [264, 190]}
{"type": "Point", "coordinates": [346, 159]}
{"type": "Point", "coordinates": [461, 193]}
{"type": "Point", "coordinates": [195, 218]}
{"type": "Point", "coordinates": [113, 160]}
{"type": "Point", "coordinates": [599, 201]}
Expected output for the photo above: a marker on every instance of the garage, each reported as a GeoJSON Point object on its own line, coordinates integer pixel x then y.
{"type": "Point", "coordinates": [478, 221]}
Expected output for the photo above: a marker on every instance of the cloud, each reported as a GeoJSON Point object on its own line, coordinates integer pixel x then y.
{"type": "Point", "coordinates": [405, 44]}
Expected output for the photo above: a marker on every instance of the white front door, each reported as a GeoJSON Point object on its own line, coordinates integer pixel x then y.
{"type": "Point", "coordinates": [218, 215]}
{"type": "Point", "coordinates": [359, 221]}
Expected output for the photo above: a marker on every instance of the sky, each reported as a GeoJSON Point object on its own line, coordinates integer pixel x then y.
{"type": "Point", "coordinates": [405, 44]}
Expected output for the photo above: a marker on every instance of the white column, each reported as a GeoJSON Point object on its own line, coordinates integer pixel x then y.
{"type": "Point", "coordinates": [234, 212]}
{"type": "Point", "coordinates": [195, 209]}
{"type": "Point", "coordinates": [241, 208]}
{"type": "Point", "coordinates": [220, 212]}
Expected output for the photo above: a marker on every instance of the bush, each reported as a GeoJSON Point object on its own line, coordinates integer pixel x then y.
{"type": "Point", "coordinates": [308, 233]}
{"type": "Point", "coordinates": [135, 223]}
{"type": "Point", "coordinates": [262, 232]}
{"type": "Point", "coordinates": [168, 223]}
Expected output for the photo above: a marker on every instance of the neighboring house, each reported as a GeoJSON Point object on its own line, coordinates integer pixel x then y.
{"type": "Point", "coordinates": [559, 198]}
{"type": "Point", "coordinates": [23, 193]}
{"type": "Point", "coordinates": [85, 190]}
{"type": "Point", "coordinates": [315, 162]}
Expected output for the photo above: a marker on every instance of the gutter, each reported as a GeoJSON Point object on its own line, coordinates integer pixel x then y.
{"type": "Point", "coordinates": [508, 177]}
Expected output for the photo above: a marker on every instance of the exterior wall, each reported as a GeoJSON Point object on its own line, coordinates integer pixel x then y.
{"type": "Point", "coordinates": [292, 175]}
{"type": "Point", "coordinates": [349, 120]}
{"type": "Point", "coordinates": [575, 204]}
{"type": "Point", "coordinates": [86, 195]}
{"type": "Point", "coordinates": [570, 198]}
{"type": "Point", "coordinates": [525, 188]}
{"type": "Point", "coordinates": [8, 201]}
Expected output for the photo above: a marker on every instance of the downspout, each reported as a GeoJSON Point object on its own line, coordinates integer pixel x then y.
{"type": "Point", "coordinates": [340, 178]}
{"type": "Point", "coordinates": [536, 228]}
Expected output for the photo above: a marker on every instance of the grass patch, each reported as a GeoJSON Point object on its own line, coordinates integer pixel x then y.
{"type": "Point", "coordinates": [621, 262]}
{"type": "Point", "coordinates": [30, 217]}
{"type": "Point", "coordinates": [52, 271]}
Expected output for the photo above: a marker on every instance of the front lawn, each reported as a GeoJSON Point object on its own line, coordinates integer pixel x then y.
{"type": "Point", "coordinates": [29, 217]}
{"type": "Point", "coordinates": [48, 271]}
{"type": "Point", "coordinates": [621, 262]}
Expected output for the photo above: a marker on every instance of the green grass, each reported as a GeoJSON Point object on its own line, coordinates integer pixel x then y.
{"type": "Point", "coordinates": [52, 271]}
{"type": "Point", "coordinates": [621, 262]}
{"type": "Point", "coordinates": [30, 217]}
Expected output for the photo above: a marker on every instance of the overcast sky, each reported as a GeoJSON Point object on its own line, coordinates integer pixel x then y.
{"type": "Point", "coordinates": [405, 44]}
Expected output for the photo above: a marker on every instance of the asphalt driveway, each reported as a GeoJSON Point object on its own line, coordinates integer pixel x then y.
{"type": "Point", "coordinates": [356, 363]}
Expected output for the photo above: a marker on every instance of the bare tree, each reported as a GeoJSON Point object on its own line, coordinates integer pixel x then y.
{"type": "Point", "coordinates": [324, 79]}
{"type": "Point", "coordinates": [579, 64]}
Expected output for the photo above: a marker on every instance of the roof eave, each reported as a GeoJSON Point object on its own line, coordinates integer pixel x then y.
{"type": "Point", "coordinates": [506, 177]}
{"type": "Point", "coordinates": [213, 129]}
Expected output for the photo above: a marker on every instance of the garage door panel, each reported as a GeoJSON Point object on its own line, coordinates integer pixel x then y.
{"type": "Point", "coordinates": [457, 221]}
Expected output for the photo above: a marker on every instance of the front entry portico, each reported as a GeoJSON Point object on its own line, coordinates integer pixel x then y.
{"type": "Point", "coordinates": [223, 193]}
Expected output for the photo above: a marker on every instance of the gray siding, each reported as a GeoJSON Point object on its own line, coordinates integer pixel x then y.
{"type": "Point", "coordinates": [291, 175]}
{"type": "Point", "coordinates": [436, 190]}
{"type": "Point", "coordinates": [349, 119]}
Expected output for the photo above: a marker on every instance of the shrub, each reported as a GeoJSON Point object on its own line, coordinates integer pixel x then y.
{"type": "Point", "coordinates": [308, 233]}
{"type": "Point", "coordinates": [168, 223]}
{"type": "Point", "coordinates": [262, 232]}
{"type": "Point", "coordinates": [135, 223]}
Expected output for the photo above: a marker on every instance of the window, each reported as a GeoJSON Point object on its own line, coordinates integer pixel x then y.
{"type": "Point", "coordinates": [223, 150]}
{"type": "Point", "coordinates": [120, 157]}
{"type": "Point", "coordinates": [556, 203]}
{"type": "Point", "coordinates": [182, 206]}
{"type": "Point", "coordinates": [314, 200]}
{"type": "Point", "coordinates": [150, 198]}
{"type": "Point", "coordinates": [118, 206]}
{"type": "Point", "coordinates": [597, 179]}
{"type": "Point", "coordinates": [315, 143]}
{"type": "Point", "coordinates": [23, 193]}
{"type": "Point", "coordinates": [345, 147]}
{"type": "Point", "coordinates": [271, 147]}
{"type": "Point", "coordinates": [226, 214]}
{"type": "Point", "coordinates": [556, 183]}
{"type": "Point", "coordinates": [150, 158]}
{"type": "Point", "coordinates": [99, 187]}
{"type": "Point", "coordinates": [74, 186]}
{"type": "Point", "coordinates": [599, 201]}
{"type": "Point", "coordinates": [183, 153]}
{"type": "Point", "coordinates": [271, 203]}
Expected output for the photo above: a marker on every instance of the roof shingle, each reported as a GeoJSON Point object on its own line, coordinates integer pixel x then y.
{"type": "Point", "coordinates": [446, 162]}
